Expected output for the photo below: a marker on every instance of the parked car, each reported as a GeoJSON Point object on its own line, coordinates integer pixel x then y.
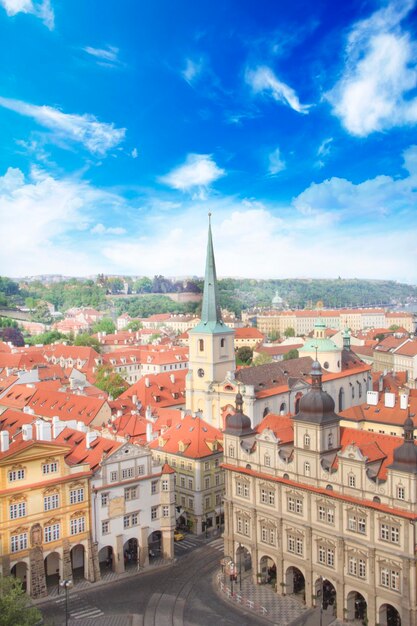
{"type": "Point", "coordinates": [178, 536]}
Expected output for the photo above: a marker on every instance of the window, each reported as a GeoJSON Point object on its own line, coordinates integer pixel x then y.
{"type": "Point", "coordinates": [104, 499]}
{"type": "Point", "coordinates": [141, 470]}
{"type": "Point", "coordinates": [218, 499]}
{"type": "Point", "coordinates": [267, 460]}
{"type": "Point", "coordinates": [295, 545]}
{"type": "Point", "coordinates": [207, 465]}
{"type": "Point", "coordinates": [190, 483]}
{"type": "Point", "coordinates": [201, 345]}
{"type": "Point", "coordinates": [295, 505]}
{"type": "Point", "coordinates": [307, 468]}
{"type": "Point", "coordinates": [352, 480]}
{"type": "Point", "coordinates": [18, 542]}
{"type": "Point", "coordinates": [217, 480]}
{"type": "Point", "coordinates": [267, 496]}
{"type": "Point", "coordinates": [18, 509]}
{"type": "Point", "coordinates": [51, 533]}
{"type": "Point", "coordinates": [326, 555]}
{"type": "Point", "coordinates": [77, 525]}
{"type": "Point", "coordinates": [165, 485]}
{"type": "Point", "coordinates": [390, 578]}
{"type": "Point", "coordinates": [357, 523]}
{"type": "Point", "coordinates": [330, 440]}
{"type": "Point", "coordinates": [17, 474]}
{"type": "Point", "coordinates": [113, 477]}
{"type": "Point", "coordinates": [154, 486]}
{"type": "Point", "coordinates": [400, 493]}
{"type": "Point", "coordinates": [131, 520]}
{"type": "Point", "coordinates": [242, 489]}
{"type": "Point", "coordinates": [191, 503]}
{"type": "Point", "coordinates": [325, 514]}
{"type": "Point", "coordinates": [207, 482]}
{"type": "Point", "coordinates": [77, 495]}
{"type": "Point", "coordinates": [389, 533]}
{"type": "Point", "coordinates": [182, 481]}
{"type": "Point", "coordinates": [307, 440]}
{"type": "Point", "coordinates": [51, 502]}
{"type": "Point", "coordinates": [105, 527]}
{"type": "Point", "coordinates": [131, 493]}
{"type": "Point", "coordinates": [207, 504]}
{"type": "Point", "coordinates": [268, 535]}
{"type": "Point", "coordinates": [222, 343]}
{"type": "Point", "coordinates": [243, 526]}
{"type": "Point", "coordinates": [154, 513]}
{"type": "Point", "coordinates": [231, 451]}
{"type": "Point", "coordinates": [50, 468]}
{"type": "Point", "coordinates": [127, 473]}
{"type": "Point", "coordinates": [165, 511]}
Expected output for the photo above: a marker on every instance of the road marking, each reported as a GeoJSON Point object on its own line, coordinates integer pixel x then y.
{"type": "Point", "coordinates": [87, 613]}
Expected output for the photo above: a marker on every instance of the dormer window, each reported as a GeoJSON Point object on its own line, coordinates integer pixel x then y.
{"type": "Point", "coordinates": [330, 440]}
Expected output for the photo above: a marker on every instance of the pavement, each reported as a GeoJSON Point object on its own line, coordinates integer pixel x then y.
{"type": "Point", "coordinates": [87, 608]}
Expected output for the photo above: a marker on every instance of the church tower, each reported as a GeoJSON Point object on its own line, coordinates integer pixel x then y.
{"type": "Point", "coordinates": [211, 345]}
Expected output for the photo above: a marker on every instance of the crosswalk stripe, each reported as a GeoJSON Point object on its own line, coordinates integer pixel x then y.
{"type": "Point", "coordinates": [87, 613]}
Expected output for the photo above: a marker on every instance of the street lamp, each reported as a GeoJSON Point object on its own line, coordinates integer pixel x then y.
{"type": "Point", "coordinates": [240, 566]}
{"type": "Point", "coordinates": [66, 584]}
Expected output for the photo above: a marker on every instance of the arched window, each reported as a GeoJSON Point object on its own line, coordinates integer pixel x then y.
{"type": "Point", "coordinates": [222, 342]}
{"type": "Point", "coordinates": [307, 440]}
{"type": "Point", "coordinates": [360, 390]}
{"type": "Point", "coordinates": [201, 345]}
{"type": "Point", "coordinates": [330, 440]}
{"type": "Point", "coordinates": [283, 408]}
{"type": "Point", "coordinates": [341, 399]}
{"type": "Point", "coordinates": [307, 468]}
{"type": "Point", "coordinates": [353, 392]}
{"type": "Point", "coordinates": [286, 476]}
{"type": "Point", "coordinates": [266, 411]}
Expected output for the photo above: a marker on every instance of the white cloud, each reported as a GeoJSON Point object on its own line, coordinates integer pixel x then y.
{"type": "Point", "coordinates": [192, 70]}
{"type": "Point", "coordinates": [276, 163]}
{"type": "Point", "coordinates": [134, 153]}
{"type": "Point", "coordinates": [39, 8]}
{"type": "Point", "coordinates": [263, 80]}
{"type": "Point", "coordinates": [97, 137]}
{"type": "Point", "coordinates": [109, 53]}
{"type": "Point", "coordinates": [100, 229]}
{"type": "Point", "coordinates": [375, 90]}
{"type": "Point", "coordinates": [198, 172]}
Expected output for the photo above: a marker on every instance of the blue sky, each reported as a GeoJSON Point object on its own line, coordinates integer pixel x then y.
{"type": "Point", "coordinates": [124, 123]}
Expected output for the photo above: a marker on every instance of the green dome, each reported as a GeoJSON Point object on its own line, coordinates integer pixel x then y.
{"type": "Point", "coordinates": [322, 345]}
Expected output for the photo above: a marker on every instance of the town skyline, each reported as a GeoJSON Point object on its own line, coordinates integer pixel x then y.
{"type": "Point", "coordinates": [292, 125]}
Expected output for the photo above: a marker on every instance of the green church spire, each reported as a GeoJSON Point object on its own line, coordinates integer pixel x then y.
{"type": "Point", "coordinates": [211, 316]}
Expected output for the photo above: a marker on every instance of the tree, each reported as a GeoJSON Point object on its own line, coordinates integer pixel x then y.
{"type": "Point", "coordinates": [142, 285]}
{"type": "Point", "coordinates": [379, 336]}
{"type": "Point", "coordinates": [109, 381]}
{"type": "Point", "coordinates": [84, 339]}
{"type": "Point", "coordinates": [292, 354]}
{"type": "Point", "coordinates": [274, 335]}
{"type": "Point", "coordinates": [262, 359]}
{"type": "Point", "coordinates": [41, 313]}
{"type": "Point", "coordinates": [12, 335]}
{"type": "Point", "coordinates": [244, 354]}
{"type": "Point", "coordinates": [45, 338]}
{"type": "Point", "coordinates": [394, 327]}
{"type": "Point", "coordinates": [289, 332]}
{"type": "Point", "coordinates": [15, 604]}
{"type": "Point", "coordinates": [134, 325]}
{"type": "Point", "coordinates": [105, 325]}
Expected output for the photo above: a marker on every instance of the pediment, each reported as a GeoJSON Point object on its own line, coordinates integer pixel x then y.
{"type": "Point", "coordinates": [267, 435]}
{"type": "Point", "coordinates": [38, 449]}
{"type": "Point", "coordinates": [352, 452]}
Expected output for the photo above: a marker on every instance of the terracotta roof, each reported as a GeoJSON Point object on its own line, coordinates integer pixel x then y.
{"type": "Point", "coordinates": [161, 390]}
{"type": "Point", "coordinates": [248, 333]}
{"type": "Point", "coordinates": [99, 448]}
{"type": "Point", "coordinates": [281, 426]}
{"type": "Point", "coordinates": [67, 406]}
{"type": "Point", "coordinates": [18, 396]}
{"type": "Point", "coordinates": [167, 469]}
{"type": "Point", "coordinates": [389, 344]}
{"type": "Point", "coordinates": [408, 349]}
{"type": "Point", "coordinates": [194, 433]}
{"type": "Point", "coordinates": [381, 413]}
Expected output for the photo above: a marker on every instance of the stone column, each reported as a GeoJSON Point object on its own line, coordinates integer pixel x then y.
{"type": "Point", "coordinates": [66, 560]}
{"type": "Point", "coordinates": [93, 564]}
{"type": "Point", "coordinates": [37, 573]}
{"type": "Point", "coordinates": [119, 557]}
{"type": "Point", "coordinates": [308, 591]}
{"type": "Point", "coordinates": [167, 544]}
{"type": "Point", "coordinates": [143, 547]}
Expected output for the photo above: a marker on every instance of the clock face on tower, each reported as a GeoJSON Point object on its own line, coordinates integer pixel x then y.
{"type": "Point", "coordinates": [200, 372]}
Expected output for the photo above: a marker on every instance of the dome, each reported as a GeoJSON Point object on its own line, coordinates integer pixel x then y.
{"type": "Point", "coordinates": [237, 423]}
{"type": "Point", "coordinates": [405, 456]}
{"type": "Point", "coordinates": [317, 406]}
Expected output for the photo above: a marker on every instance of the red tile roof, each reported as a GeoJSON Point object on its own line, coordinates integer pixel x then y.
{"type": "Point", "coordinates": [161, 390]}
{"type": "Point", "coordinates": [194, 433]}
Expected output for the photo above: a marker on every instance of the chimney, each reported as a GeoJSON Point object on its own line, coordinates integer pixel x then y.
{"type": "Point", "coordinates": [82, 427]}
{"type": "Point", "coordinates": [57, 426]}
{"type": "Point", "coordinates": [119, 413]}
{"type": "Point", "coordinates": [403, 401]}
{"type": "Point", "coordinates": [4, 440]}
{"type": "Point", "coordinates": [135, 399]}
{"type": "Point", "coordinates": [182, 414]}
{"type": "Point", "coordinates": [372, 398]}
{"type": "Point", "coordinates": [389, 400]}
{"type": "Point", "coordinates": [172, 378]}
{"type": "Point", "coordinates": [148, 413]}
{"type": "Point", "coordinates": [43, 430]}
{"type": "Point", "coordinates": [148, 432]}
{"type": "Point", "coordinates": [147, 382]}
{"type": "Point", "coordinates": [27, 432]}
{"type": "Point", "coordinates": [89, 438]}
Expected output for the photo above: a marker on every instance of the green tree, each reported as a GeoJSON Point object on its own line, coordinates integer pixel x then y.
{"type": "Point", "coordinates": [84, 339]}
{"type": "Point", "coordinates": [262, 359]}
{"type": "Point", "coordinates": [105, 325]}
{"type": "Point", "coordinates": [379, 336]}
{"type": "Point", "coordinates": [46, 338]}
{"type": "Point", "coordinates": [274, 335]}
{"type": "Point", "coordinates": [134, 325]}
{"type": "Point", "coordinates": [244, 354]}
{"type": "Point", "coordinates": [15, 609]}
{"type": "Point", "coordinates": [142, 285]}
{"type": "Point", "coordinates": [41, 313]}
{"type": "Point", "coordinates": [109, 381]}
{"type": "Point", "coordinates": [289, 332]}
{"type": "Point", "coordinates": [292, 354]}
{"type": "Point", "coordinates": [394, 327]}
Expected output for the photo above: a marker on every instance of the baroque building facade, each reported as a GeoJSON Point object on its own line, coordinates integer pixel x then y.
{"type": "Point", "coordinates": [320, 507]}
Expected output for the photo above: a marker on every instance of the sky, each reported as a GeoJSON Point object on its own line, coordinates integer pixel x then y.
{"type": "Point", "coordinates": [123, 124]}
